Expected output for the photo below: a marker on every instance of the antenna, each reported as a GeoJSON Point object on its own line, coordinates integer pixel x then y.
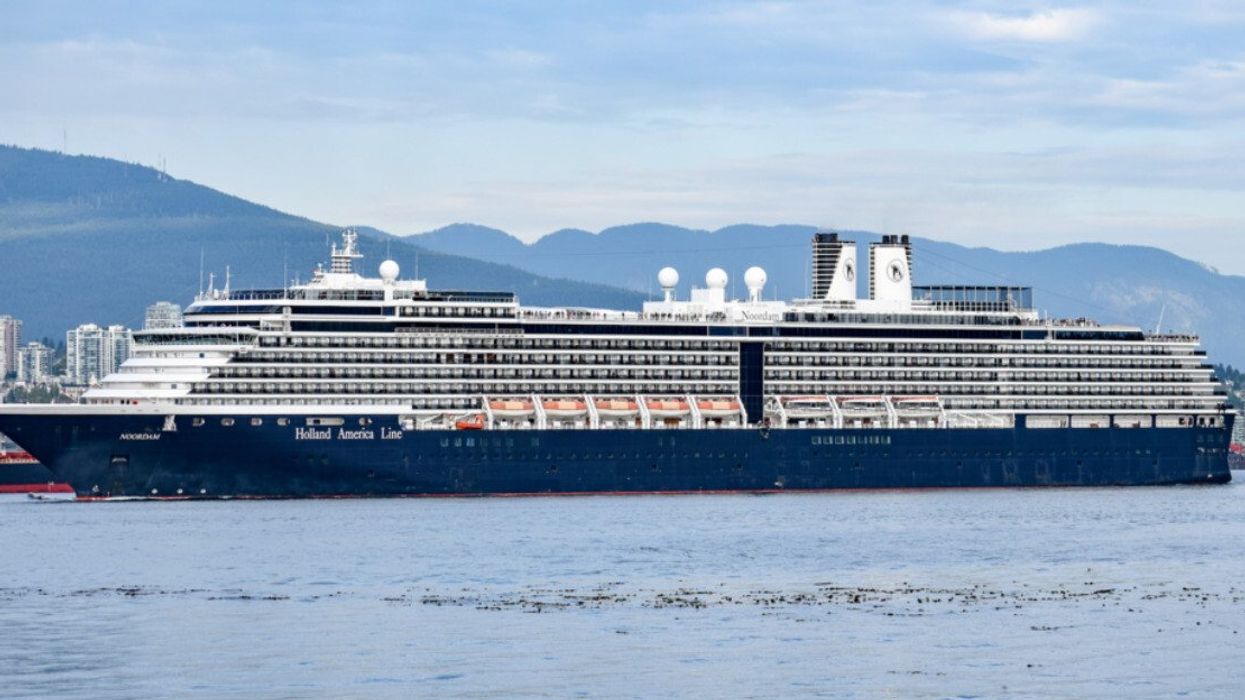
{"type": "Point", "coordinates": [226, 279]}
{"type": "Point", "coordinates": [1158, 327]}
{"type": "Point", "coordinates": [200, 270]}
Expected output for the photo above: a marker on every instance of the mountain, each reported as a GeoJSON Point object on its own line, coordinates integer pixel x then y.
{"type": "Point", "coordinates": [93, 239]}
{"type": "Point", "coordinates": [1117, 284]}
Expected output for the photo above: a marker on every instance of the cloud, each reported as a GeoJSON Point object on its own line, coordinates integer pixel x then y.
{"type": "Point", "coordinates": [980, 118]}
{"type": "Point", "coordinates": [1207, 88]}
{"type": "Point", "coordinates": [1067, 24]}
{"type": "Point", "coordinates": [520, 58]}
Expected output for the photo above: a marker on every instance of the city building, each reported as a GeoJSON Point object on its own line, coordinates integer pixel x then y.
{"type": "Point", "coordinates": [34, 363]}
{"type": "Point", "coordinates": [120, 338]}
{"type": "Point", "coordinates": [163, 314]}
{"type": "Point", "coordinates": [92, 352]}
{"type": "Point", "coordinates": [10, 342]}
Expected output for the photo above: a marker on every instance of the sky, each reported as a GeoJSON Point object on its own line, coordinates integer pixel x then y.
{"type": "Point", "coordinates": [1008, 124]}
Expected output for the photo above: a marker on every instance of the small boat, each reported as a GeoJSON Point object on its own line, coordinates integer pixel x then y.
{"type": "Point", "coordinates": [917, 404]}
{"type": "Point", "coordinates": [20, 473]}
{"type": "Point", "coordinates": [808, 407]}
{"type": "Point", "coordinates": [511, 408]}
{"type": "Point", "coordinates": [616, 408]}
{"type": "Point", "coordinates": [718, 408]}
{"type": "Point", "coordinates": [863, 404]}
{"type": "Point", "coordinates": [475, 422]}
{"type": "Point", "coordinates": [667, 408]}
{"type": "Point", "coordinates": [52, 496]}
{"type": "Point", "coordinates": [564, 408]}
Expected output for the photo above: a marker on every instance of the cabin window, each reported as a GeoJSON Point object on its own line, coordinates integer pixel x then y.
{"type": "Point", "coordinates": [226, 422]}
{"type": "Point", "coordinates": [257, 421]}
{"type": "Point", "coordinates": [197, 422]}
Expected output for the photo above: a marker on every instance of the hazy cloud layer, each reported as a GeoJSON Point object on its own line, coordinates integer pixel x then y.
{"type": "Point", "coordinates": [984, 122]}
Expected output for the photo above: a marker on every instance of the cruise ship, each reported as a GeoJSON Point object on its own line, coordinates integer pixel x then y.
{"type": "Point", "coordinates": [350, 385]}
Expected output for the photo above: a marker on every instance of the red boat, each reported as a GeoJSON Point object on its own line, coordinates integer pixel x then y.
{"type": "Point", "coordinates": [21, 473]}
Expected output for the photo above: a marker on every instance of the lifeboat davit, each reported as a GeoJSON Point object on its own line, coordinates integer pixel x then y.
{"type": "Point", "coordinates": [564, 408]}
{"type": "Point", "coordinates": [511, 408]}
{"type": "Point", "coordinates": [667, 408]}
{"type": "Point", "coordinates": [617, 407]}
{"type": "Point", "coordinates": [475, 422]}
{"type": "Point", "coordinates": [718, 408]}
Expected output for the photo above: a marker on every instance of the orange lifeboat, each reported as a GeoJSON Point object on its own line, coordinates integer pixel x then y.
{"type": "Point", "coordinates": [475, 422]}
{"type": "Point", "coordinates": [511, 408]}
{"type": "Point", "coordinates": [667, 408]}
{"type": "Point", "coordinates": [717, 408]}
{"type": "Point", "coordinates": [564, 408]}
{"type": "Point", "coordinates": [617, 407]}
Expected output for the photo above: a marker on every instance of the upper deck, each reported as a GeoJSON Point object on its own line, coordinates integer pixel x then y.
{"type": "Point", "coordinates": [342, 301]}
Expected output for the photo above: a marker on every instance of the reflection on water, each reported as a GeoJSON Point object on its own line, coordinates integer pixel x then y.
{"type": "Point", "coordinates": [1067, 593]}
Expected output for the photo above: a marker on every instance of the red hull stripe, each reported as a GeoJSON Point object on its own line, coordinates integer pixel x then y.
{"type": "Point", "coordinates": [36, 488]}
{"type": "Point", "coordinates": [580, 494]}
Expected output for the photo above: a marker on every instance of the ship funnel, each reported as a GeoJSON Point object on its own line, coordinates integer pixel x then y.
{"type": "Point", "coordinates": [834, 268]}
{"type": "Point", "coordinates": [890, 269]}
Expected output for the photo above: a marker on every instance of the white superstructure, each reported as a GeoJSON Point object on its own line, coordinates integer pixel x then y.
{"type": "Point", "coordinates": [906, 356]}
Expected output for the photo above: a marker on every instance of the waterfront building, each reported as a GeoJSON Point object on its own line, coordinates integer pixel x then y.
{"type": "Point", "coordinates": [92, 352]}
{"type": "Point", "coordinates": [10, 342]}
{"type": "Point", "coordinates": [34, 363]}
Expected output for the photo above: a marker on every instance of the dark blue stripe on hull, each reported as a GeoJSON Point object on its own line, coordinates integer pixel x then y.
{"type": "Point", "coordinates": [272, 460]}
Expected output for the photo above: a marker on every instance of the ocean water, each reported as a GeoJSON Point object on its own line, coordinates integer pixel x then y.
{"type": "Point", "coordinates": [1130, 593]}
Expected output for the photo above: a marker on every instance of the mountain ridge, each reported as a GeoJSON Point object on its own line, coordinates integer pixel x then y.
{"type": "Point", "coordinates": [126, 235]}
{"type": "Point", "coordinates": [1112, 283]}
{"type": "Point", "coordinates": [90, 239]}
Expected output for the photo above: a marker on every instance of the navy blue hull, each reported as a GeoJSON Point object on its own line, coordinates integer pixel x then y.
{"type": "Point", "coordinates": [134, 456]}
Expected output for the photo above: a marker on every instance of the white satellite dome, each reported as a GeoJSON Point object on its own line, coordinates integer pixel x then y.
{"type": "Point", "coordinates": [389, 270]}
{"type": "Point", "coordinates": [668, 277]}
{"type": "Point", "coordinates": [716, 278]}
{"type": "Point", "coordinates": [755, 278]}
